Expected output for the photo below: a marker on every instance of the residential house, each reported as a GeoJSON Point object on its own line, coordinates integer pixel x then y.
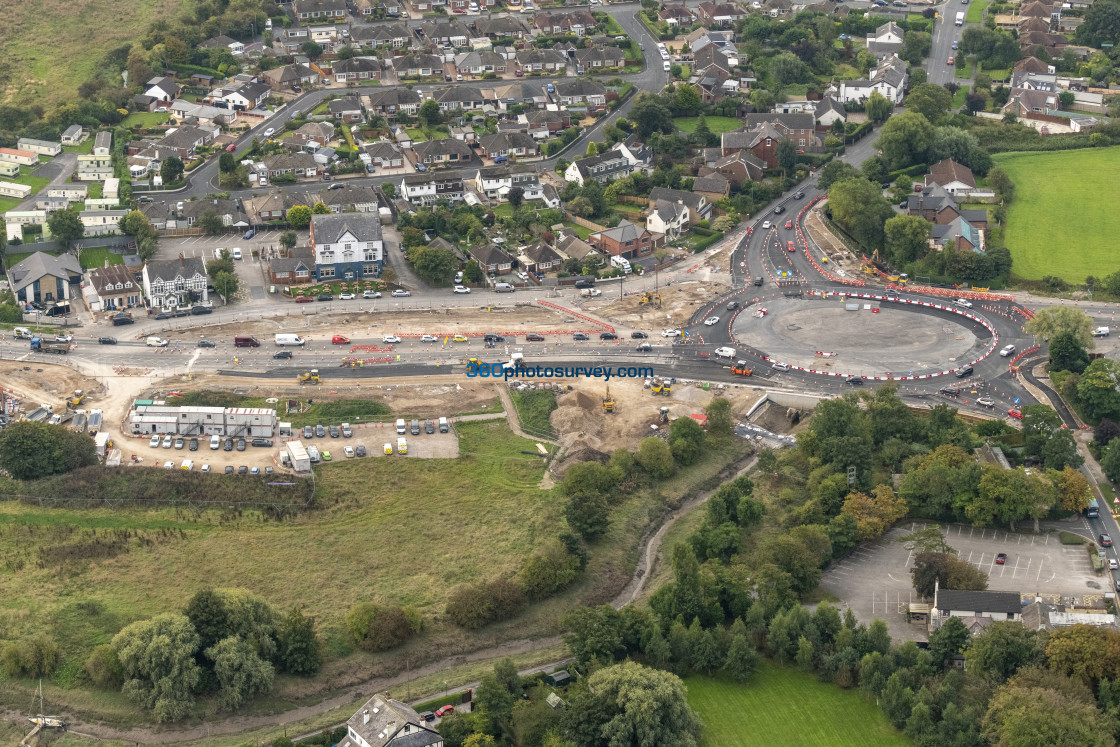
{"type": "Point", "coordinates": [638, 155]}
{"type": "Point", "coordinates": [625, 240]}
{"type": "Point", "coordinates": [417, 66]}
{"type": "Point", "coordinates": [1036, 9]}
{"type": "Point", "coordinates": [295, 269]}
{"type": "Point", "coordinates": [501, 27]}
{"type": "Point", "coordinates": [569, 245]}
{"type": "Point", "coordinates": [492, 259]}
{"type": "Point", "coordinates": [550, 197]}
{"type": "Point", "coordinates": [228, 211]}
{"type": "Point", "coordinates": [319, 10]}
{"type": "Point", "coordinates": [267, 208]}
{"type": "Point", "coordinates": [388, 102]}
{"type": "Point", "coordinates": [719, 14]}
{"type": "Point", "coordinates": [714, 83]}
{"type": "Point", "coordinates": [997, 605]}
{"type": "Point", "coordinates": [11, 189]}
{"type": "Point", "coordinates": [427, 189]}
{"type": "Point", "coordinates": [103, 143]}
{"type": "Point", "coordinates": [188, 112]}
{"type": "Point", "coordinates": [8, 168]}
{"type": "Point", "coordinates": [589, 93]}
{"type": "Point", "coordinates": [346, 110]}
{"type": "Point", "coordinates": [716, 55]}
{"type": "Point", "coordinates": [889, 78]}
{"type": "Point", "coordinates": [163, 90]}
{"type": "Point", "coordinates": [828, 111]}
{"type": "Point", "coordinates": [185, 139]}
{"type": "Point", "coordinates": [1023, 102]}
{"type": "Point", "coordinates": [538, 60]}
{"type": "Point", "coordinates": [934, 204]}
{"type": "Point", "coordinates": [348, 199]}
{"type": "Point", "coordinates": [886, 40]}
{"type": "Point", "coordinates": [289, 77]}
{"type": "Point", "coordinates": [289, 41]}
{"type": "Point", "coordinates": [739, 167]}
{"type": "Point", "coordinates": [953, 177]}
{"type": "Point", "coordinates": [74, 135]}
{"type": "Point", "coordinates": [174, 283]}
{"type": "Point", "coordinates": [714, 186]}
{"type": "Point", "coordinates": [477, 63]}
{"type": "Point", "coordinates": [384, 155]}
{"type": "Point", "coordinates": [42, 147]}
{"type": "Point", "coordinates": [1027, 25]}
{"type": "Point", "coordinates": [1032, 65]}
{"type": "Point", "coordinates": [593, 59]}
{"type": "Point", "coordinates": [347, 247]}
{"type": "Point", "coordinates": [297, 164]}
{"type": "Point", "coordinates": [373, 9]}
{"type": "Point", "coordinates": [447, 32]}
{"type": "Point", "coordinates": [115, 287]}
{"type": "Point", "coordinates": [668, 218]}
{"type": "Point", "coordinates": [157, 212]}
{"type": "Point", "coordinates": [356, 69]}
{"type": "Point", "coordinates": [447, 150]}
{"type": "Point", "coordinates": [765, 131]}
{"type": "Point", "coordinates": [1040, 615]}
{"type": "Point", "coordinates": [241, 96]}
{"type": "Point", "coordinates": [392, 35]}
{"type": "Point", "coordinates": [313, 135]}
{"type": "Point", "coordinates": [958, 234]}
{"type": "Point", "coordinates": [699, 206]}
{"type": "Point", "coordinates": [44, 278]}
{"type": "Point", "coordinates": [539, 258]}
{"type": "Point", "coordinates": [222, 41]}
{"type": "Point", "coordinates": [542, 123]}
{"type": "Point", "coordinates": [577, 22]}
{"type": "Point", "coordinates": [508, 145]}
{"type": "Point", "coordinates": [676, 15]}
{"type": "Point", "coordinates": [48, 204]}
{"type": "Point", "coordinates": [603, 168]}
{"type": "Point", "coordinates": [1033, 42]}
{"type": "Point", "coordinates": [101, 222]}
{"type": "Point", "coordinates": [495, 182]}
{"type": "Point", "coordinates": [70, 192]}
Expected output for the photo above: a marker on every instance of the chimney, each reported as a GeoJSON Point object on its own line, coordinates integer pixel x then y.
{"type": "Point", "coordinates": [365, 717]}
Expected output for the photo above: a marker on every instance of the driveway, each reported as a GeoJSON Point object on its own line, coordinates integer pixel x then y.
{"type": "Point", "coordinates": [58, 170]}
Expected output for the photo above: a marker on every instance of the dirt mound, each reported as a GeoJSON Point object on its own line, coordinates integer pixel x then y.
{"type": "Point", "coordinates": [573, 420]}
{"type": "Point", "coordinates": [579, 453]}
{"type": "Point", "coordinates": [581, 400]}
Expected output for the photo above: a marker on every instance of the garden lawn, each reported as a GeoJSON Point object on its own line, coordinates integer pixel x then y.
{"type": "Point", "coordinates": [782, 705]}
{"type": "Point", "coordinates": [97, 257]}
{"type": "Point", "coordinates": [416, 134]}
{"type": "Point", "coordinates": [976, 11]}
{"type": "Point", "coordinates": [1053, 193]}
{"type": "Point", "coordinates": [581, 231]}
{"type": "Point", "coordinates": [145, 119]}
{"type": "Point", "coordinates": [716, 125]}
{"type": "Point", "coordinates": [26, 177]}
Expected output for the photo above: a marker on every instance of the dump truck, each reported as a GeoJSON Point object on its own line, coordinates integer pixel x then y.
{"type": "Point", "coordinates": [311, 377]}
{"type": "Point", "coordinates": [43, 345]}
{"type": "Point", "coordinates": [739, 368]}
{"type": "Point", "coordinates": [95, 419]}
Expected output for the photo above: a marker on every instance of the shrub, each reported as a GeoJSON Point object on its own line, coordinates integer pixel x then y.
{"type": "Point", "coordinates": [38, 656]}
{"type": "Point", "coordinates": [549, 571]}
{"type": "Point", "coordinates": [377, 628]}
{"type": "Point", "coordinates": [472, 607]}
{"type": "Point", "coordinates": [104, 668]}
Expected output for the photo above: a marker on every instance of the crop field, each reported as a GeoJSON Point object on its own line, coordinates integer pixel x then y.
{"type": "Point", "coordinates": [782, 705]}
{"type": "Point", "coordinates": [1063, 220]}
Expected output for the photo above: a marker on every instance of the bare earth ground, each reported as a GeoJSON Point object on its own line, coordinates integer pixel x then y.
{"type": "Point", "coordinates": [678, 302]}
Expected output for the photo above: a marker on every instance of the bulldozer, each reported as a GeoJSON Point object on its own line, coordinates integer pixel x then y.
{"type": "Point", "coordinates": [650, 298]}
{"type": "Point", "coordinates": [740, 369]}
{"type": "Point", "coordinates": [312, 377]}
{"type": "Point", "coordinates": [75, 399]}
{"type": "Point", "coordinates": [608, 401]}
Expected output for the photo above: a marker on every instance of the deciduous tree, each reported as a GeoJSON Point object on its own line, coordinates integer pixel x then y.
{"type": "Point", "coordinates": [65, 225]}
{"type": "Point", "coordinates": [157, 656]}
{"type": "Point", "coordinates": [905, 139]}
{"type": "Point", "coordinates": [241, 673]}
{"type": "Point", "coordinates": [299, 216]}
{"type": "Point", "coordinates": [31, 450]}
{"type": "Point", "coordinates": [1053, 321]}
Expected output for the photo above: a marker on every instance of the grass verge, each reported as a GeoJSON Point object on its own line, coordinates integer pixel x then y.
{"type": "Point", "coordinates": [533, 410]}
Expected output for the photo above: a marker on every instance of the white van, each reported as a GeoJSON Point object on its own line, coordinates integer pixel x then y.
{"type": "Point", "coordinates": [22, 333]}
{"type": "Point", "coordinates": [218, 252]}
{"type": "Point", "coordinates": [443, 426]}
{"type": "Point", "coordinates": [236, 252]}
{"type": "Point", "coordinates": [402, 446]}
{"type": "Point", "coordinates": [215, 442]}
{"type": "Point", "coordinates": [156, 342]}
{"type": "Point", "coordinates": [621, 263]}
{"type": "Point", "coordinates": [1101, 332]}
{"type": "Point", "coordinates": [188, 464]}
{"type": "Point", "coordinates": [287, 339]}
{"type": "Point", "coordinates": [401, 427]}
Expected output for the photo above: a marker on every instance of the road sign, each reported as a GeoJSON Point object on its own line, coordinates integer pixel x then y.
{"type": "Point", "coordinates": [1016, 400]}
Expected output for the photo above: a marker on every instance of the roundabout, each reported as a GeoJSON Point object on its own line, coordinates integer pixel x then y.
{"type": "Point", "coordinates": [866, 335]}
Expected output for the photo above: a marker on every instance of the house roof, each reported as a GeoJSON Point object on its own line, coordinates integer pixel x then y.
{"type": "Point", "coordinates": [947, 171]}
{"type": "Point", "coordinates": [889, 28]}
{"type": "Point", "coordinates": [1031, 65]}
{"type": "Point", "coordinates": [611, 55]}
{"type": "Point", "coordinates": [783, 122]}
{"type": "Point", "coordinates": [611, 158]}
{"type": "Point", "coordinates": [356, 65]}
{"type": "Point", "coordinates": [716, 183]}
{"type": "Point", "coordinates": [382, 149]}
{"type": "Point", "coordinates": [341, 106]}
{"type": "Point", "coordinates": [195, 208]}
{"type": "Point", "coordinates": [105, 279]}
{"type": "Point", "coordinates": [669, 212]}
{"type": "Point", "coordinates": [539, 57]}
{"type": "Point", "coordinates": [407, 62]}
{"type": "Point", "coordinates": [508, 141]}
{"type": "Point", "coordinates": [568, 19]}
{"type": "Point", "coordinates": [380, 32]}
{"type": "Point", "coordinates": [328, 229]}
{"type": "Point", "coordinates": [489, 254]}
{"type": "Point", "coordinates": [382, 721]}
{"type": "Point", "coordinates": [623, 232]}
{"type": "Point", "coordinates": [710, 55]}
{"type": "Point", "coordinates": [445, 147]}
{"type": "Point", "coordinates": [183, 137]}
{"type": "Point", "coordinates": [40, 265]}
{"type": "Point", "coordinates": [218, 42]}
{"type": "Point", "coordinates": [289, 264]}
{"type": "Point", "coordinates": [829, 104]}
{"type": "Point", "coordinates": [289, 162]}
{"type": "Point", "coordinates": [568, 242]}
{"type": "Point", "coordinates": [694, 201]}
{"type": "Point", "coordinates": [1036, 9]}
{"type": "Point", "coordinates": [169, 87]}
{"type": "Point", "coordinates": [393, 96]}
{"type": "Point", "coordinates": [580, 88]}
{"type": "Point", "coordinates": [73, 131]}
{"type": "Point", "coordinates": [1008, 602]}
{"type": "Point", "coordinates": [541, 253]}
{"type": "Point", "coordinates": [168, 269]}
{"type": "Point", "coordinates": [499, 26]}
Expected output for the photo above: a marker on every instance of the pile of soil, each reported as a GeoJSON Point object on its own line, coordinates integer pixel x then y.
{"type": "Point", "coordinates": [576, 416]}
{"type": "Point", "coordinates": [578, 454]}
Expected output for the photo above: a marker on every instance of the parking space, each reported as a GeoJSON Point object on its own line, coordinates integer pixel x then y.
{"type": "Point", "coordinates": [875, 579]}
{"type": "Point", "coordinates": [374, 437]}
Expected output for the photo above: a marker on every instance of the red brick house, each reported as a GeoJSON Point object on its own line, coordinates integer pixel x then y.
{"type": "Point", "coordinates": [625, 240]}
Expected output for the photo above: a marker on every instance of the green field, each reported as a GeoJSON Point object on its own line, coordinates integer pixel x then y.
{"type": "Point", "coordinates": [715, 124]}
{"type": "Point", "coordinates": [1055, 192]}
{"type": "Point", "coordinates": [145, 119]}
{"type": "Point", "coordinates": [785, 706]}
{"type": "Point", "coordinates": [976, 11]}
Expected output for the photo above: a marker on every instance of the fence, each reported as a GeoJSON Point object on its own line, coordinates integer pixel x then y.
{"type": "Point", "coordinates": [584, 222]}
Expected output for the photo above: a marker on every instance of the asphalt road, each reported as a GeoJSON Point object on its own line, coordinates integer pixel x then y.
{"type": "Point", "coordinates": [945, 32]}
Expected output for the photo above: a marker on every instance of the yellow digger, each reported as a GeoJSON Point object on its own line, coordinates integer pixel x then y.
{"type": "Point", "coordinates": [656, 387]}
{"type": "Point", "coordinates": [312, 377]}
{"type": "Point", "coordinates": [608, 401]}
{"type": "Point", "coordinates": [650, 298]}
{"type": "Point", "coordinates": [76, 399]}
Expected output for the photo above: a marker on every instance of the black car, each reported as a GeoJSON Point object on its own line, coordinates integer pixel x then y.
{"type": "Point", "coordinates": [963, 372]}
{"type": "Point", "coordinates": [120, 321]}
{"type": "Point", "coordinates": [283, 355]}
{"type": "Point", "coordinates": [798, 195]}
{"type": "Point", "coordinates": [638, 336]}
{"type": "Point", "coordinates": [320, 431]}
{"type": "Point", "coordinates": [608, 336]}
{"type": "Point", "coordinates": [534, 337]}
{"type": "Point", "coordinates": [107, 340]}
{"type": "Point", "coordinates": [779, 210]}
{"type": "Point", "coordinates": [950, 391]}
{"type": "Point", "coordinates": [262, 442]}
{"type": "Point", "coordinates": [580, 336]}
{"type": "Point", "coordinates": [228, 445]}
{"type": "Point", "coordinates": [733, 305]}
{"type": "Point", "coordinates": [242, 470]}
{"type": "Point", "coordinates": [177, 314]}
{"type": "Point", "coordinates": [758, 280]}
{"type": "Point", "coordinates": [200, 310]}
{"type": "Point", "coordinates": [645, 347]}
{"type": "Point", "coordinates": [206, 344]}
{"type": "Point", "coordinates": [324, 297]}
{"type": "Point", "coordinates": [585, 283]}
{"type": "Point", "coordinates": [161, 317]}
{"type": "Point", "coordinates": [192, 445]}
{"type": "Point", "coordinates": [493, 338]}
{"type": "Point", "coordinates": [856, 380]}
{"type": "Point", "coordinates": [360, 450]}
{"type": "Point", "coordinates": [241, 444]}
{"type": "Point", "coordinates": [308, 431]}
{"type": "Point", "coordinates": [334, 431]}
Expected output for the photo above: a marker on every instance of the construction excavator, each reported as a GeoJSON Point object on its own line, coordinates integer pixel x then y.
{"type": "Point", "coordinates": [608, 401]}
{"type": "Point", "coordinates": [76, 399]}
{"type": "Point", "coordinates": [311, 377]}
{"type": "Point", "coordinates": [650, 298]}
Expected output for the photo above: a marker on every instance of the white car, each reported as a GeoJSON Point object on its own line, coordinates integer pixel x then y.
{"type": "Point", "coordinates": [390, 339]}
{"type": "Point", "coordinates": [725, 352]}
{"type": "Point", "coordinates": [462, 289]}
{"type": "Point", "coordinates": [167, 441]}
{"type": "Point", "coordinates": [371, 294]}
{"type": "Point", "coordinates": [670, 332]}
{"type": "Point", "coordinates": [964, 303]}
{"type": "Point", "coordinates": [64, 338]}
{"type": "Point", "coordinates": [1007, 351]}
{"type": "Point", "coordinates": [429, 338]}
{"type": "Point", "coordinates": [154, 443]}
{"type": "Point", "coordinates": [346, 296]}
{"type": "Point", "coordinates": [986, 402]}
{"type": "Point", "coordinates": [169, 464]}
{"type": "Point", "coordinates": [765, 225]}
{"type": "Point", "coordinates": [348, 451]}
{"type": "Point", "coordinates": [270, 132]}
{"type": "Point", "coordinates": [205, 468]}
{"type": "Point", "coordinates": [780, 366]}
{"type": "Point", "coordinates": [401, 293]}
{"type": "Point", "coordinates": [711, 321]}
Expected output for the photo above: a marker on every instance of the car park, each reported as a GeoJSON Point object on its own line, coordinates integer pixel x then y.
{"type": "Point", "coordinates": [261, 442]}
{"type": "Point", "coordinates": [1001, 558]}
{"type": "Point", "coordinates": [346, 432]}
{"type": "Point", "coordinates": [169, 464]}
{"type": "Point", "coordinates": [711, 321]}
{"type": "Point", "coordinates": [371, 294]}
{"type": "Point", "coordinates": [391, 339]}
{"type": "Point", "coordinates": [580, 336]}
{"type": "Point", "coordinates": [429, 427]}
{"type": "Point", "coordinates": [255, 471]}
{"type": "Point", "coordinates": [206, 344]}
{"type": "Point", "coordinates": [1007, 350]}
{"type": "Point", "coordinates": [204, 468]}
{"type": "Point", "coordinates": [120, 320]}
{"type": "Point", "coordinates": [388, 449]}
{"type": "Point", "coordinates": [401, 293]}
{"type": "Point", "coordinates": [326, 455]}
{"type": "Point", "coordinates": [107, 340]}
{"type": "Point", "coordinates": [228, 445]}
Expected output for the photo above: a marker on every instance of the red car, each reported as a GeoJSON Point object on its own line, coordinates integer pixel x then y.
{"type": "Point", "coordinates": [304, 299]}
{"type": "Point", "coordinates": [444, 710]}
{"type": "Point", "coordinates": [231, 147]}
{"type": "Point", "coordinates": [1001, 558]}
{"type": "Point", "coordinates": [1014, 412]}
{"type": "Point", "coordinates": [951, 61]}
{"type": "Point", "coordinates": [789, 245]}
{"type": "Point", "coordinates": [340, 340]}
{"type": "Point", "coordinates": [519, 73]}
{"type": "Point", "coordinates": [789, 224]}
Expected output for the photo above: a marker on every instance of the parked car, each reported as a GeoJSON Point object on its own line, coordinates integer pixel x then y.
{"type": "Point", "coordinates": [371, 294]}
{"type": "Point", "coordinates": [345, 296]}
{"type": "Point", "coordinates": [401, 293]}
{"type": "Point", "coordinates": [229, 469]}
{"type": "Point", "coordinates": [308, 431]}
{"type": "Point", "coordinates": [444, 710]}
{"type": "Point", "coordinates": [324, 297]}
{"type": "Point", "coordinates": [320, 432]}
{"type": "Point", "coordinates": [241, 444]}
{"type": "Point", "coordinates": [1001, 558]}
{"type": "Point", "coordinates": [228, 445]}
{"type": "Point", "coordinates": [242, 470]}
{"type": "Point", "coordinates": [360, 450]}
{"type": "Point", "coordinates": [193, 445]}
{"type": "Point", "coordinates": [154, 443]}
{"type": "Point", "coordinates": [334, 431]}
{"type": "Point", "coordinates": [180, 443]}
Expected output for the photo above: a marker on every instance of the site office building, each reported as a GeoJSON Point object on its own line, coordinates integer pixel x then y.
{"type": "Point", "coordinates": [235, 422]}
